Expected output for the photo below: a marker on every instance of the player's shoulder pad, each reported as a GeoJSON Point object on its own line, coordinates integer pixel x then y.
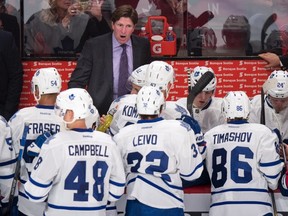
{"type": "Point", "coordinates": [177, 125]}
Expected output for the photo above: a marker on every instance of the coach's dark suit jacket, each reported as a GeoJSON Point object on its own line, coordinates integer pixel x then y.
{"type": "Point", "coordinates": [284, 61]}
{"type": "Point", "coordinates": [11, 74]}
{"type": "Point", "coordinates": [95, 68]}
{"type": "Point", "coordinates": [10, 24]}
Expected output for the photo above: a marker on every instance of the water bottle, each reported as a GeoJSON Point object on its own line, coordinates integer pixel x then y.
{"type": "Point", "coordinates": [107, 122]}
{"type": "Point", "coordinates": [143, 32]}
{"type": "Point", "coordinates": [169, 34]}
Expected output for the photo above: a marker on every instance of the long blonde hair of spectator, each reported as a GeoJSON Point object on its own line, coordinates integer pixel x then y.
{"type": "Point", "coordinates": [50, 16]}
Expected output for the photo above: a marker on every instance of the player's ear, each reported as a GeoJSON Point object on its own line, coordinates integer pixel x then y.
{"type": "Point", "coordinates": [69, 115]}
{"type": "Point", "coordinates": [37, 95]}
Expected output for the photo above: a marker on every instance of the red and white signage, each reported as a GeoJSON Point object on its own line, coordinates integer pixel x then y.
{"type": "Point", "coordinates": [245, 75]}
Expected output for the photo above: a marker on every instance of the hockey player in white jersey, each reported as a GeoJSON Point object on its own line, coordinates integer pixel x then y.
{"type": "Point", "coordinates": [206, 107]}
{"type": "Point", "coordinates": [242, 162]}
{"type": "Point", "coordinates": [275, 104]}
{"type": "Point", "coordinates": [162, 75]}
{"type": "Point", "coordinates": [78, 170]}
{"type": "Point", "coordinates": [7, 164]}
{"type": "Point", "coordinates": [45, 86]}
{"type": "Point", "coordinates": [137, 79]}
{"type": "Point", "coordinates": [123, 108]}
{"type": "Point", "coordinates": [155, 159]}
{"type": "Point", "coordinates": [158, 74]}
{"type": "Point", "coordinates": [206, 110]}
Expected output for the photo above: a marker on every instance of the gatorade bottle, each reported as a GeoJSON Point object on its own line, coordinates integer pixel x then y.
{"type": "Point", "coordinates": [169, 34]}
{"type": "Point", "coordinates": [108, 119]}
{"type": "Point", "coordinates": [143, 32]}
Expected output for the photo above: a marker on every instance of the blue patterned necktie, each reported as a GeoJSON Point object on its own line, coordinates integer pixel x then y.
{"type": "Point", "coordinates": [123, 72]}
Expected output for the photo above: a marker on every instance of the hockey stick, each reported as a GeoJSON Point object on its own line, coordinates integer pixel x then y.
{"type": "Point", "coordinates": [266, 86]}
{"type": "Point", "coordinates": [18, 165]}
{"type": "Point", "coordinates": [262, 117]}
{"type": "Point", "coordinates": [199, 86]}
{"type": "Point", "coordinates": [270, 20]}
{"type": "Point", "coordinates": [202, 19]}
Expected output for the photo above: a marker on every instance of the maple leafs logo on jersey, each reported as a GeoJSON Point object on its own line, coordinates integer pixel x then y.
{"type": "Point", "coordinates": [185, 125]}
{"type": "Point", "coordinates": [181, 110]}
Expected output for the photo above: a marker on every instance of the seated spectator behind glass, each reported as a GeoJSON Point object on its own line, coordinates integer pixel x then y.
{"type": "Point", "coordinates": [58, 29]}
{"type": "Point", "coordinates": [97, 24]}
{"type": "Point", "coordinates": [236, 35]}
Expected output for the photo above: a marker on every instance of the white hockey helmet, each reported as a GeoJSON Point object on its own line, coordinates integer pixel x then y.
{"type": "Point", "coordinates": [196, 75]}
{"type": "Point", "coordinates": [137, 76]}
{"type": "Point", "coordinates": [149, 100]}
{"type": "Point", "coordinates": [160, 74]}
{"type": "Point", "coordinates": [48, 81]}
{"type": "Point", "coordinates": [79, 101]}
{"type": "Point", "coordinates": [278, 89]}
{"type": "Point", "coordinates": [236, 105]}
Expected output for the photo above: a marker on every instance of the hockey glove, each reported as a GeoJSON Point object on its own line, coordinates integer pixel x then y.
{"type": "Point", "coordinates": [34, 148]}
{"type": "Point", "coordinates": [195, 127]}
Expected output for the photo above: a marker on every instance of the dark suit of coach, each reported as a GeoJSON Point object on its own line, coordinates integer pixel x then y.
{"type": "Point", "coordinates": [98, 65]}
{"type": "Point", "coordinates": [11, 73]}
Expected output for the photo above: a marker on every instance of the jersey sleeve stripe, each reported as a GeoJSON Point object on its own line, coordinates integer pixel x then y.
{"type": "Point", "coordinates": [8, 162]}
{"type": "Point", "coordinates": [7, 176]}
{"type": "Point", "coordinates": [23, 195]}
{"type": "Point", "coordinates": [33, 197]}
{"type": "Point", "coordinates": [273, 176]}
{"type": "Point", "coordinates": [200, 165]}
{"type": "Point", "coordinates": [172, 186]}
{"type": "Point", "coordinates": [131, 180]}
{"type": "Point", "coordinates": [109, 208]}
{"type": "Point", "coordinates": [274, 163]}
{"type": "Point", "coordinates": [39, 184]}
{"type": "Point", "coordinates": [115, 196]}
{"type": "Point", "coordinates": [117, 183]}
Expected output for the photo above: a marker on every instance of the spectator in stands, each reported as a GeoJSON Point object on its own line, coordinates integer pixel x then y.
{"type": "Point", "coordinates": [11, 73]}
{"type": "Point", "coordinates": [9, 23]}
{"type": "Point", "coordinates": [59, 29]}
{"type": "Point", "coordinates": [236, 36]}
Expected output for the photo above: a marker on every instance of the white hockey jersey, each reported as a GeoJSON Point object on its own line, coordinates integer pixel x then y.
{"type": "Point", "coordinates": [156, 153]}
{"type": "Point", "coordinates": [272, 119]}
{"type": "Point", "coordinates": [78, 171]}
{"type": "Point", "coordinates": [7, 160]}
{"type": "Point", "coordinates": [126, 112]}
{"type": "Point", "coordinates": [40, 118]}
{"type": "Point", "coordinates": [242, 163]}
{"type": "Point", "coordinates": [208, 117]}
